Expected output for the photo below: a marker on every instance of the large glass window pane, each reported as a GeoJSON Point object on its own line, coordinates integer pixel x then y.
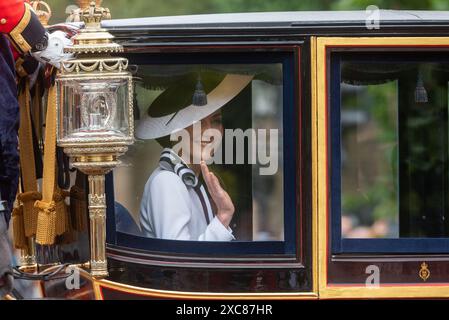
{"type": "Point", "coordinates": [244, 105]}
{"type": "Point", "coordinates": [394, 147]}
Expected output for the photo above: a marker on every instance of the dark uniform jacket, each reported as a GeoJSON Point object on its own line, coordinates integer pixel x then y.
{"type": "Point", "coordinates": [20, 33]}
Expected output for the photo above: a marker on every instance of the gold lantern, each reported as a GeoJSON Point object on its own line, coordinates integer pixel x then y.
{"type": "Point", "coordinates": [95, 117]}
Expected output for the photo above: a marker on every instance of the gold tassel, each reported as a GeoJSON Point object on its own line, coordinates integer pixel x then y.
{"type": "Point", "coordinates": [29, 211]}
{"type": "Point", "coordinates": [46, 222]}
{"type": "Point", "coordinates": [20, 240]}
{"type": "Point", "coordinates": [61, 211]}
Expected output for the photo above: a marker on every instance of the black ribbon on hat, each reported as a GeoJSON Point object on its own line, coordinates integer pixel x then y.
{"type": "Point", "coordinates": [199, 96]}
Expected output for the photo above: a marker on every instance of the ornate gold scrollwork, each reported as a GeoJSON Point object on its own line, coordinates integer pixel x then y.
{"type": "Point", "coordinates": [90, 65]}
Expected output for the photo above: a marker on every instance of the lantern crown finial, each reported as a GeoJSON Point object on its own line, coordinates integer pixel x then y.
{"type": "Point", "coordinates": [93, 39]}
{"type": "Point", "coordinates": [84, 4]}
{"type": "Point", "coordinates": [93, 15]}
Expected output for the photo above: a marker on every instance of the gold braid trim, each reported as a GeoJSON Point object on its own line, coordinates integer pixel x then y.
{"type": "Point", "coordinates": [16, 34]}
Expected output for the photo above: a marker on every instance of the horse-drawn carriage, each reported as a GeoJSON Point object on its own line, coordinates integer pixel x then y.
{"type": "Point", "coordinates": [342, 188]}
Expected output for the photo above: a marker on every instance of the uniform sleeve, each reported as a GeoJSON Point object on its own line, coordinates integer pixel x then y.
{"type": "Point", "coordinates": [9, 123]}
{"type": "Point", "coordinates": [170, 210]}
{"type": "Point", "coordinates": [21, 24]}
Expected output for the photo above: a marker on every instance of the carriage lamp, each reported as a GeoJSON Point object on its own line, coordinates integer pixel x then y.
{"type": "Point", "coordinates": [95, 117]}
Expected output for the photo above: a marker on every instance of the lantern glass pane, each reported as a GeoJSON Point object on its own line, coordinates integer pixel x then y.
{"type": "Point", "coordinates": [94, 108]}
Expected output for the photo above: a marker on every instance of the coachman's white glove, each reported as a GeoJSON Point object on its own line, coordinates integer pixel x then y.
{"type": "Point", "coordinates": [54, 52]}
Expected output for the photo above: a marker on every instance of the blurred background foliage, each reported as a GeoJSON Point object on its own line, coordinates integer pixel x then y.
{"type": "Point", "coordinates": [145, 8]}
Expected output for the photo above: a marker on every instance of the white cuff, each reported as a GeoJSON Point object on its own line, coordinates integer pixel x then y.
{"type": "Point", "coordinates": [219, 231]}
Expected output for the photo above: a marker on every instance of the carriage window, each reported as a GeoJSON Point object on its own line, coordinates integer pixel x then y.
{"type": "Point", "coordinates": [208, 161]}
{"type": "Point", "coordinates": [369, 137]}
{"type": "Point", "coordinates": [393, 135]}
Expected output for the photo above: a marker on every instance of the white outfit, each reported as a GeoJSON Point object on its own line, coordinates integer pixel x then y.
{"type": "Point", "coordinates": [172, 210]}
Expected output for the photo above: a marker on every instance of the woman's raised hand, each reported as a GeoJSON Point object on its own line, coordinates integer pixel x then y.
{"type": "Point", "coordinates": [225, 207]}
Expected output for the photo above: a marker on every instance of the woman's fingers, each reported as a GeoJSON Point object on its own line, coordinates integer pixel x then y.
{"type": "Point", "coordinates": [207, 177]}
{"type": "Point", "coordinates": [220, 197]}
{"type": "Point", "coordinates": [204, 168]}
{"type": "Point", "coordinates": [212, 182]}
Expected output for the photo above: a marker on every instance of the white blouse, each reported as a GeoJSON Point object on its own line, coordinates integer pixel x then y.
{"type": "Point", "coordinates": [172, 210]}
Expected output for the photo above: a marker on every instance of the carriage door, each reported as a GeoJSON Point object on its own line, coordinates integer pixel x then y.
{"type": "Point", "coordinates": [381, 169]}
{"type": "Point", "coordinates": [165, 236]}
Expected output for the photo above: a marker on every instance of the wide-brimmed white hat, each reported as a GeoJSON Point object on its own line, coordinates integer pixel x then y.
{"type": "Point", "coordinates": [170, 113]}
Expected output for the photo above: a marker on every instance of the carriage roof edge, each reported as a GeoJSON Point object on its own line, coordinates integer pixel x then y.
{"type": "Point", "coordinates": [280, 19]}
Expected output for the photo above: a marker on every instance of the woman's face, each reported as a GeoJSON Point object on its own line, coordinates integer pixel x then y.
{"type": "Point", "coordinates": [206, 140]}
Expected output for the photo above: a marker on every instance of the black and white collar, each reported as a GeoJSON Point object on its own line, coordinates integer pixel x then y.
{"type": "Point", "coordinates": [170, 161]}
